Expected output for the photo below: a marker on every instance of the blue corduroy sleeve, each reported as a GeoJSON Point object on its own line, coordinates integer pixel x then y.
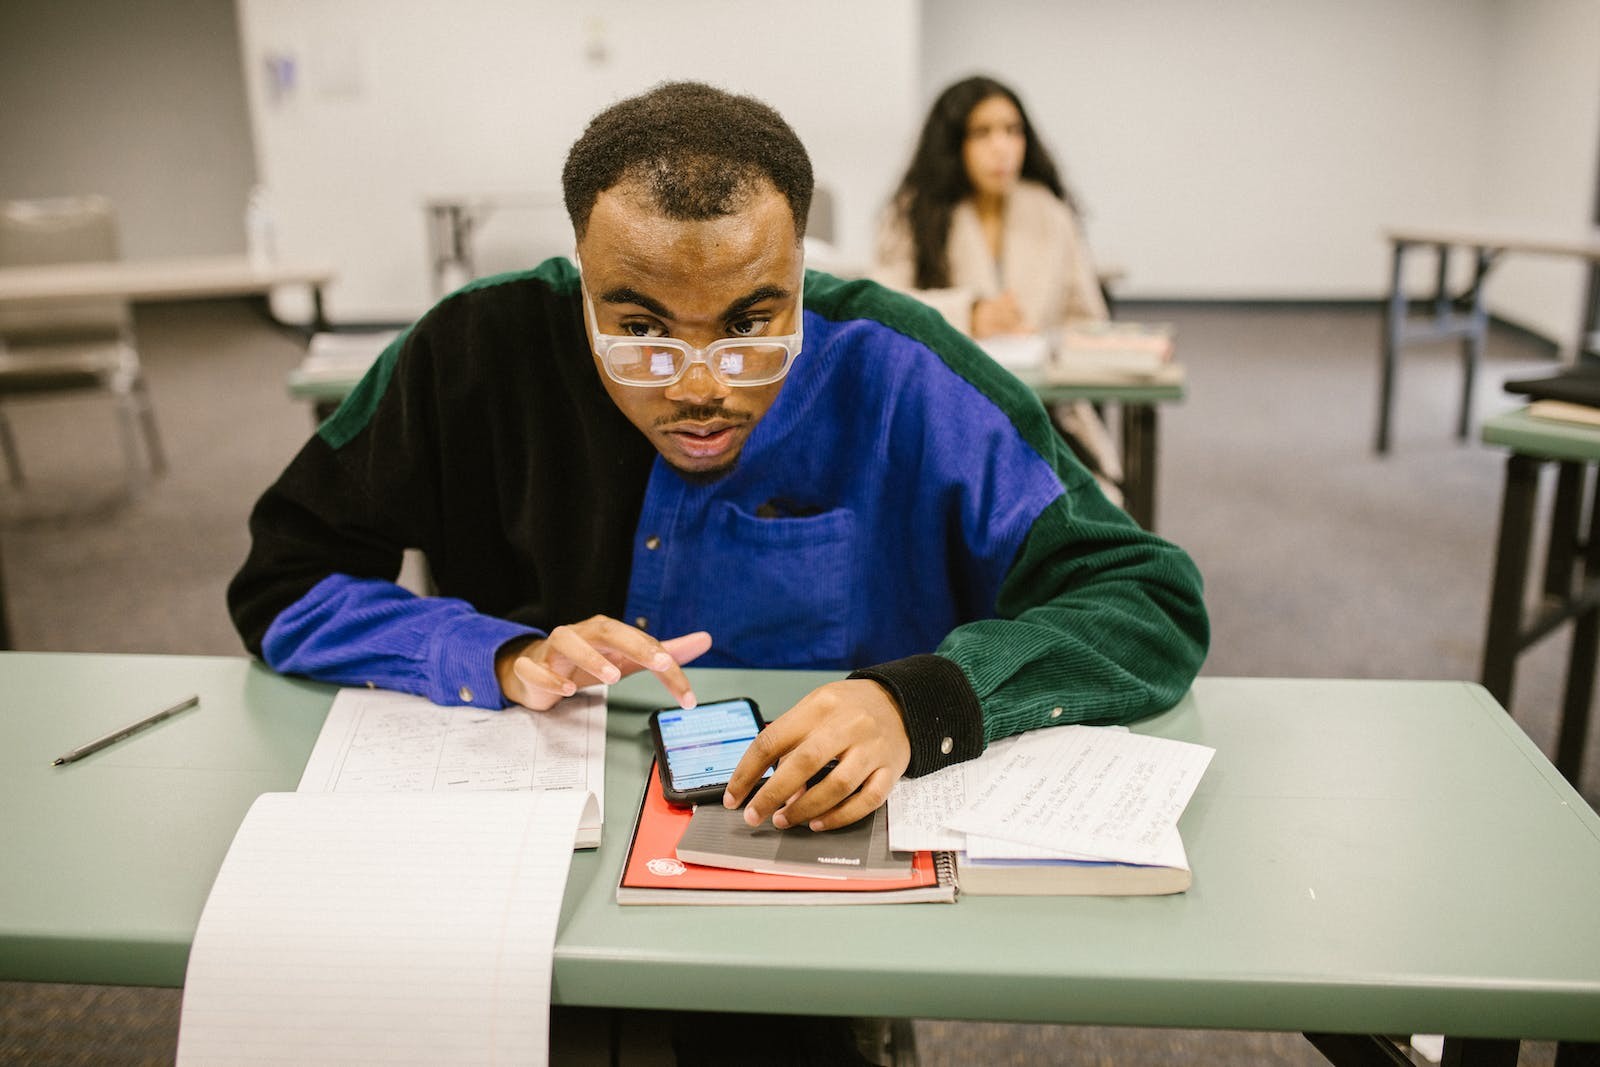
{"type": "Point", "coordinates": [366, 631]}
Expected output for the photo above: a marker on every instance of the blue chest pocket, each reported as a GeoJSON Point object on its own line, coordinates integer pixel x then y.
{"type": "Point", "coordinates": [787, 584]}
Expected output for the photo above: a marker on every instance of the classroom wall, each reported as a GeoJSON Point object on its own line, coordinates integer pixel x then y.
{"type": "Point", "coordinates": [1254, 148]}
{"type": "Point", "coordinates": [1238, 149]}
{"type": "Point", "coordinates": [393, 101]}
{"type": "Point", "coordinates": [1542, 150]}
{"type": "Point", "coordinates": [140, 100]}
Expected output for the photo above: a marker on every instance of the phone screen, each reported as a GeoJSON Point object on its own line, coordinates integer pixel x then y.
{"type": "Point", "coordinates": [703, 744]}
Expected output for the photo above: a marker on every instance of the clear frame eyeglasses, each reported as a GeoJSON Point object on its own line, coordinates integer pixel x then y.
{"type": "Point", "coordinates": [658, 362]}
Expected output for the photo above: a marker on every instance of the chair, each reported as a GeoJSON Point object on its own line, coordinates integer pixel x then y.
{"type": "Point", "coordinates": [61, 347]}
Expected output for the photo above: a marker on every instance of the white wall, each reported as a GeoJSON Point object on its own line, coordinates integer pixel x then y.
{"type": "Point", "coordinates": [1540, 153]}
{"type": "Point", "coordinates": [138, 100]}
{"type": "Point", "coordinates": [398, 100]}
{"type": "Point", "coordinates": [1254, 148]}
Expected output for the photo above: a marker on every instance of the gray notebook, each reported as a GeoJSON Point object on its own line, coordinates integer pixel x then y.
{"type": "Point", "coordinates": [718, 837]}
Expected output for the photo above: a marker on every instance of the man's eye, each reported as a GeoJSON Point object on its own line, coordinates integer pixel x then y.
{"type": "Point", "coordinates": [748, 327]}
{"type": "Point", "coordinates": [642, 329]}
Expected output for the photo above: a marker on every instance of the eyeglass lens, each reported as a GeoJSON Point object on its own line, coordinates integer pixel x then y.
{"type": "Point", "coordinates": [645, 363]}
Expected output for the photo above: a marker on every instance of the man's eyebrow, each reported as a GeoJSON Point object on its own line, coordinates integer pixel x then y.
{"type": "Point", "coordinates": [625, 295]}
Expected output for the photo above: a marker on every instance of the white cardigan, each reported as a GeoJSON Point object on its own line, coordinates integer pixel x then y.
{"type": "Point", "coordinates": [1044, 262]}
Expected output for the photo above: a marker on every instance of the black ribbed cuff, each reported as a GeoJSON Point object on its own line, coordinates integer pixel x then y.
{"type": "Point", "coordinates": [941, 712]}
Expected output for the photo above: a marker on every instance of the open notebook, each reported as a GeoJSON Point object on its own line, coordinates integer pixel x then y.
{"type": "Point", "coordinates": [376, 741]}
{"type": "Point", "coordinates": [395, 928]}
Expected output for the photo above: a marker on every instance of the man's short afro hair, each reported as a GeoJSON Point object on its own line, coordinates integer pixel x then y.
{"type": "Point", "coordinates": [697, 150]}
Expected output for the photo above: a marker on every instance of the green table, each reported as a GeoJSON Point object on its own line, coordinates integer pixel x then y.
{"type": "Point", "coordinates": [1569, 593]}
{"type": "Point", "coordinates": [1370, 857]}
{"type": "Point", "coordinates": [1139, 400]}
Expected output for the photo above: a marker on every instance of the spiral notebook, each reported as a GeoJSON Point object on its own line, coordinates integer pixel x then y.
{"type": "Point", "coordinates": [654, 874]}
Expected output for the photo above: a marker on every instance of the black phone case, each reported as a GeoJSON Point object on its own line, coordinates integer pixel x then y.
{"type": "Point", "coordinates": [708, 794]}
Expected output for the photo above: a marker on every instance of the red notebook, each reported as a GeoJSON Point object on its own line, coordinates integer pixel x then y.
{"type": "Point", "coordinates": [653, 874]}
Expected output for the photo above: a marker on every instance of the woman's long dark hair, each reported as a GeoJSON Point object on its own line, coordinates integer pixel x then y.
{"type": "Point", "coordinates": [936, 181]}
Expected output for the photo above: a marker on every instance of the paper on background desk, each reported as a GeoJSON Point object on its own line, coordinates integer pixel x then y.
{"type": "Point", "coordinates": [377, 741]}
{"type": "Point", "coordinates": [395, 928]}
{"type": "Point", "coordinates": [1090, 791]}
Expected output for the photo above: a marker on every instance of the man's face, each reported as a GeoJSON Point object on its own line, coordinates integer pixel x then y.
{"type": "Point", "coordinates": [734, 276]}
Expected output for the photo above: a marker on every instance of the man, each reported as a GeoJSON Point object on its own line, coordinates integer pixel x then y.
{"type": "Point", "coordinates": [668, 453]}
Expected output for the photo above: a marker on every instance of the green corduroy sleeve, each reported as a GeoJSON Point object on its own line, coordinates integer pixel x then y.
{"type": "Point", "coordinates": [1099, 622]}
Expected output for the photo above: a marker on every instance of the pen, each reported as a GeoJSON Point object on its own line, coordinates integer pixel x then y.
{"type": "Point", "coordinates": [127, 731]}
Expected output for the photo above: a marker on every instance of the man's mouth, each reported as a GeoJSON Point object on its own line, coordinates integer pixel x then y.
{"type": "Point", "coordinates": [704, 440]}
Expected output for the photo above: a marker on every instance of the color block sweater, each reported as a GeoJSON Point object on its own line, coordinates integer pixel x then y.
{"type": "Point", "coordinates": [904, 511]}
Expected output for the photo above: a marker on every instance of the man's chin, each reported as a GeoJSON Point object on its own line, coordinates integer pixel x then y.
{"type": "Point", "coordinates": [705, 475]}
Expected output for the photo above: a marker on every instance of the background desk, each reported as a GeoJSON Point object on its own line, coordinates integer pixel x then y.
{"type": "Point", "coordinates": [1566, 594]}
{"type": "Point", "coordinates": [1139, 400]}
{"type": "Point", "coordinates": [181, 278]}
{"type": "Point", "coordinates": [1370, 857]}
{"type": "Point", "coordinates": [1461, 317]}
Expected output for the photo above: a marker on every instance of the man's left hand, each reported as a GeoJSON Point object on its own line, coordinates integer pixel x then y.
{"type": "Point", "coordinates": [856, 723]}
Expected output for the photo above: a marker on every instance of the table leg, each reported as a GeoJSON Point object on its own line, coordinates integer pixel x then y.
{"type": "Point", "coordinates": [1504, 638]}
{"type": "Point", "coordinates": [1358, 1050]}
{"type": "Point", "coordinates": [5, 627]}
{"type": "Point", "coordinates": [1565, 518]}
{"type": "Point", "coordinates": [1394, 322]}
{"type": "Point", "coordinates": [1479, 1052]}
{"type": "Point", "coordinates": [1472, 344]}
{"type": "Point", "coordinates": [1579, 694]}
{"type": "Point", "coordinates": [1139, 450]}
{"type": "Point", "coordinates": [319, 312]}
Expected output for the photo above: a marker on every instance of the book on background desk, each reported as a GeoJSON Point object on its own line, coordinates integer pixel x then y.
{"type": "Point", "coordinates": [1102, 347]}
{"type": "Point", "coordinates": [1565, 411]}
{"type": "Point", "coordinates": [1575, 384]}
{"type": "Point", "coordinates": [377, 741]}
{"type": "Point", "coordinates": [653, 873]}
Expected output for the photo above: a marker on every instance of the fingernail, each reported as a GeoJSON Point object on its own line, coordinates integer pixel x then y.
{"type": "Point", "coordinates": [611, 674]}
{"type": "Point", "coordinates": [728, 801]}
{"type": "Point", "coordinates": [816, 824]}
{"type": "Point", "coordinates": [569, 688]}
{"type": "Point", "coordinates": [751, 817]}
{"type": "Point", "coordinates": [780, 820]}
{"type": "Point", "coordinates": [688, 700]}
{"type": "Point", "coordinates": [661, 662]}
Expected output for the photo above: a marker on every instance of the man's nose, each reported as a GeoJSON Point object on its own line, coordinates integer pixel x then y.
{"type": "Point", "coordinates": [697, 386]}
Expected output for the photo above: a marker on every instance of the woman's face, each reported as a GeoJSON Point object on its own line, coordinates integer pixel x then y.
{"type": "Point", "coordinates": [994, 146]}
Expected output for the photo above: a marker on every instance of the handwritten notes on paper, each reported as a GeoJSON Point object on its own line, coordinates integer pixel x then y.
{"type": "Point", "coordinates": [1078, 792]}
{"type": "Point", "coordinates": [380, 741]}
{"type": "Point", "coordinates": [401, 928]}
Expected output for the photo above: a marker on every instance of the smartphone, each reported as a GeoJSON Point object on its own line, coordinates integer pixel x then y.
{"type": "Point", "coordinates": [697, 748]}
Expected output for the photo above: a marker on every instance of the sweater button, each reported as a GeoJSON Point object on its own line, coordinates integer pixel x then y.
{"type": "Point", "coordinates": [1055, 713]}
{"type": "Point", "coordinates": [652, 542]}
{"type": "Point", "coordinates": [947, 746]}
{"type": "Point", "coordinates": [465, 694]}
{"type": "Point", "coordinates": [642, 623]}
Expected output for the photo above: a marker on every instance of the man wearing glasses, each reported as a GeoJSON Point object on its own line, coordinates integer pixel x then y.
{"type": "Point", "coordinates": [684, 447]}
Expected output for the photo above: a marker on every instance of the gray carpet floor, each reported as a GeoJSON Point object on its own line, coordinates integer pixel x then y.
{"type": "Point", "coordinates": [1321, 560]}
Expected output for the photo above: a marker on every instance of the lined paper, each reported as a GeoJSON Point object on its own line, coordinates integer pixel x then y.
{"type": "Point", "coordinates": [392, 928]}
{"type": "Point", "coordinates": [1102, 793]}
{"type": "Point", "coordinates": [379, 741]}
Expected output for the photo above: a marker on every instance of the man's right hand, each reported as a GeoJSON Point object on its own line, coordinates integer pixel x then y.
{"type": "Point", "coordinates": [598, 650]}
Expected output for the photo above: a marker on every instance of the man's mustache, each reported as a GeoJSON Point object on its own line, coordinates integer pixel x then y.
{"type": "Point", "coordinates": [700, 413]}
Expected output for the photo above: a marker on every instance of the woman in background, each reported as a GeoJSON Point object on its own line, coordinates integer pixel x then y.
{"type": "Point", "coordinates": [983, 229]}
